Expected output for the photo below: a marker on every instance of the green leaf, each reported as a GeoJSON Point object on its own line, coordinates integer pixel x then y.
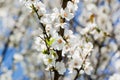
{"type": "Point", "coordinates": [98, 30]}
{"type": "Point", "coordinates": [49, 42]}
{"type": "Point", "coordinates": [45, 52]}
{"type": "Point", "coordinates": [53, 53]}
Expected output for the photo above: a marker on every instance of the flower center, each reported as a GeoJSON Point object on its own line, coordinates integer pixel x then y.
{"type": "Point", "coordinates": [75, 63]}
{"type": "Point", "coordinates": [65, 14]}
{"type": "Point", "coordinates": [59, 41]}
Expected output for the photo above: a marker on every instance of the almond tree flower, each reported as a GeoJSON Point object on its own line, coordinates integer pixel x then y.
{"type": "Point", "coordinates": [115, 76]}
{"type": "Point", "coordinates": [15, 39]}
{"type": "Point", "coordinates": [117, 54]}
{"type": "Point", "coordinates": [59, 43]}
{"type": "Point", "coordinates": [88, 68]}
{"type": "Point", "coordinates": [41, 8]}
{"type": "Point", "coordinates": [113, 46]}
{"type": "Point", "coordinates": [104, 50]}
{"type": "Point", "coordinates": [48, 18]}
{"type": "Point", "coordinates": [75, 62]}
{"type": "Point", "coordinates": [7, 75]}
{"type": "Point", "coordinates": [79, 55]}
{"type": "Point", "coordinates": [51, 4]}
{"type": "Point", "coordinates": [90, 27]}
{"type": "Point", "coordinates": [91, 7]}
{"type": "Point", "coordinates": [74, 40]}
{"type": "Point", "coordinates": [22, 1]}
{"type": "Point", "coordinates": [49, 61]}
{"type": "Point", "coordinates": [53, 32]}
{"type": "Point", "coordinates": [67, 14]}
{"type": "Point", "coordinates": [68, 34]}
{"type": "Point", "coordinates": [37, 4]}
{"type": "Point", "coordinates": [49, 28]}
{"type": "Point", "coordinates": [56, 12]}
{"type": "Point", "coordinates": [117, 33]}
{"type": "Point", "coordinates": [117, 65]}
{"type": "Point", "coordinates": [65, 50]}
{"type": "Point", "coordinates": [9, 22]}
{"type": "Point", "coordinates": [84, 17]}
{"type": "Point", "coordinates": [87, 48]}
{"type": "Point", "coordinates": [68, 50]}
{"type": "Point", "coordinates": [104, 23]}
{"type": "Point", "coordinates": [18, 57]}
{"type": "Point", "coordinates": [40, 57]}
{"type": "Point", "coordinates": [39, 44]}
{"type": "Point", "coordinates": [60, 67]}
{"type": "Point", "coordinates": [71, 45]}
{"type": "Point", "coordinates": [58, 25]}
{"type": "Point", "coordinates": [97, 34]}
{"type": "Point", "coordinates": [72, 6]}
{"type": "Point", "coordinates": [106, 8]}
{"type": "Point", "coordinates": [29, 3]}
{"type": "Point", "coordinates": [75, 1]}
{"type": "Point", "coordinates": [56, 20]}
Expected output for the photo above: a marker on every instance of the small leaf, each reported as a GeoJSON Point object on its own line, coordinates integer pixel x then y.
{"type": "Point", "coordinates": [53, 53]}
{"type": "Point", "coordinates": [98, 30]}
{"type": "Point", "coordinates": [45, 52]}
{"type": "Point", "coordinates": [49, 42]}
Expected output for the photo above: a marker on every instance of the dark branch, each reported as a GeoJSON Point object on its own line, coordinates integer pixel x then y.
{"type": "Point", "coordinates": [64, 4]}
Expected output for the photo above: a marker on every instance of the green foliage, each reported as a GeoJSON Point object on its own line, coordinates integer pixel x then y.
{"type": "Point", "coordinates": [50, 41]}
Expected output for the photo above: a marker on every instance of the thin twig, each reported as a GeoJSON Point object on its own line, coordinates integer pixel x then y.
{"type": "Point", "coordinates": [78, 70]}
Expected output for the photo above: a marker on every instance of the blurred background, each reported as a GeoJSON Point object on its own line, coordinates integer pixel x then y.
{"type": "Point", "coordinates": [18, 57]}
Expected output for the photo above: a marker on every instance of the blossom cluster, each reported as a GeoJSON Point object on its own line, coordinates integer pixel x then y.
{"type": "Point", "coordinates": [59, 46]}
{"type": "Point", "coordinates": [53, 41]}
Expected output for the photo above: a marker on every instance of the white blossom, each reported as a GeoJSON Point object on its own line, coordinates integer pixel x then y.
{"type": "Point", "coordinates": [6, 76]}
{"type": "Point", "coordinates": [60, 67]}
{"type": "Point", "coordinates": [59, 43]}
{"type": "Point", "coordinates": [115, 76]}
{"type": "Point", "coordinates": [18, 57]}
